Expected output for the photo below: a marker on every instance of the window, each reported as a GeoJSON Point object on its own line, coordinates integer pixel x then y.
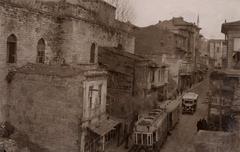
{"type": "Point", "coordinates": [90, 97]}
{"type": "Point", "coordinates": [152, 76]}
{"type": "Point", "coordinates": [237, 44]}
{"type": "Point", "coordinates": [159, 75]}
{"type": "Point", "coordinates": [12, 49]}
{"type": "Point", "coordinates": [120, 47]}
{"type": "Point", "coordinates": [162, 44]}
{"type": "Point", "coordinates": [100, 93]}
{"type": "Point", "coordinates": [41, 51]}
{"type": "Point", "coordinates": [92, 53]}
{"type": "Point", "coordinates": [145, 142]}
{"type": "Point", "coordinates": [139, 139]}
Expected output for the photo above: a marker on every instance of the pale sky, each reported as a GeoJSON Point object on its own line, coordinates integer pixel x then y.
{"type": "Point", "coordinates": [212, 13]}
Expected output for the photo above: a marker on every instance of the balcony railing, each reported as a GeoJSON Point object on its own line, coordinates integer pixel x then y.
{"type": "Point", "coordinates": [186, 69]}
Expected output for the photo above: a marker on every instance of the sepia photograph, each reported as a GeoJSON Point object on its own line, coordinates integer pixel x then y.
{"type": "Point", "coordinates": [119, 76]}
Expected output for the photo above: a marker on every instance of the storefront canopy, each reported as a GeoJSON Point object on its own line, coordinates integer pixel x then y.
{"type": "Point", "coordinates": [103, 127]}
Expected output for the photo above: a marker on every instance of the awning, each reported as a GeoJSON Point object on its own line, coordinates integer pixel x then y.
{"type": "Point", "coordinates": [103, 127]}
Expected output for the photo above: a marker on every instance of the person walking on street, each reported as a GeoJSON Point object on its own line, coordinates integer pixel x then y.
{"type": "Point", "coordinates": [198, 125]}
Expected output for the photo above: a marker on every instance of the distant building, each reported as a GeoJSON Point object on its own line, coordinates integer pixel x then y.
{"type": "Point", "coordinates": [171, 42]}
{"type": "Point", "coordinates": [217, 52]}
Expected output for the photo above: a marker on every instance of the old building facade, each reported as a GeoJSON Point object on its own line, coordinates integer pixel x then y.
{"type": "Point", "coordinates": [232, 35]}
{"type": "Point", "coordinates": [58, 37]}
{"type": "Point", "coordinates": [57, 106]}
{"type": "Point", "coordinates": [57, 32]}
{"type": "Point", "coordinates": [173, 42]}
{"type": "Point", "coordinates": [131, 76]}
{"type": "Point", "coordinates": [218, 52]}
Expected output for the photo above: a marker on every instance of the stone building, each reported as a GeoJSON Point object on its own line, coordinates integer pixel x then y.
{"type": "Point", "coordinates": [56, 31]}
{"type": "Point", "coordinates": [232, 35]}
{"type": "Point", "coordinates": [218, 52]}
{"type": "Point", "coordinates": [58, 107]}
{"type": "Point", "coordinates": [171, 42]}
{"type": "Point", "coordinates": [49, 60]}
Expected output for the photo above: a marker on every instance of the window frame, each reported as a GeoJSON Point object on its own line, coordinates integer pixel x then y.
{"type": "Point", "coordinates": [11, 53]}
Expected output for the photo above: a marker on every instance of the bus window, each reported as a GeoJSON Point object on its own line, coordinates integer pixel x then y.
{"type": "Point", "coordinates": [154, 137]}
{"type": "Point", "coordinates": [139, 139]}
{"type": "Point", "coordinates": [135, 138]}
{"type": "Point", "coordinates": [149, 140]}
{"type": "Point", "coordinates": [145, 139]}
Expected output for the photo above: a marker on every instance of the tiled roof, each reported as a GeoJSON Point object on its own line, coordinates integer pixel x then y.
{"type": "Point", "coordinates": [122, 52]}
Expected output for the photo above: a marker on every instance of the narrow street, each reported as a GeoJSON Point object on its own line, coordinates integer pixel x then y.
{"type": "Point", "coordinates": [181, 138]}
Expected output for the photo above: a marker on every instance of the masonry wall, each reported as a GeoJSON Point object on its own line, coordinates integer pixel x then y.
{"type": "Point", "coordinates": [49, 111]}
{"type": "Point", "coordinates": [80, 35]}
{"type": "Point", "coordinates": [72, 35]}
{"type": "Point", "coordinates": [28, 27]}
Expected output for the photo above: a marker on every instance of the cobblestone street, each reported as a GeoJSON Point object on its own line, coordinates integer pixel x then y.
{"type": "Point", "coordinates": [181, 139]}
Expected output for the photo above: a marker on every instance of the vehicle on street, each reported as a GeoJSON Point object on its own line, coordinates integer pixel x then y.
{"type": "Point", "coordinates": [151, 131]}
{"type": "Point", "coordinates": [189, 103]}
{"type": "Point", "coordinates": [173, 109]}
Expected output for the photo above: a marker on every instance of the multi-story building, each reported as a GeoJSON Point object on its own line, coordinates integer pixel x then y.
{"type": "Point", "coordinates": [217, 52]}
{"type": "Point", "coordinates": [130, 76]}
{"type": "Point", "coordinates": [223, 111]}
{"type": "Point", "coordinates": [232, 35]}
{"type": "Point", "coordinates": [170, 42]}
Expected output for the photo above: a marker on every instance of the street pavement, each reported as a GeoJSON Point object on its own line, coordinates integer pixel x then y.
{"type": "Point", "coordinates": [181, 138]}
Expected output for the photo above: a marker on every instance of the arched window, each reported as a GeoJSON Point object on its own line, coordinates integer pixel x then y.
{"type": "Point", "coordinates": [41, 51]}
{"type": "Point", "coordinates": [12, 49]}
{"type": "Point", "coordinates": [92, 53]}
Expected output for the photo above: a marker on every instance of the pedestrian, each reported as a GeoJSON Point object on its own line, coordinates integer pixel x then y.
{"type": "Point", "coordinates": [198, 125]}
{"type": "Point", "coordinates": [205, 124]}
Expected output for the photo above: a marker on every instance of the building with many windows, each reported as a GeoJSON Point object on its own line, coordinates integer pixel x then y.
{"type": "Point", "coordinates": [218, 52]}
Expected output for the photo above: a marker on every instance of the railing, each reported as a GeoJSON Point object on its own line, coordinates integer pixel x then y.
{"type": "Point", "coordinates": [185, 69]}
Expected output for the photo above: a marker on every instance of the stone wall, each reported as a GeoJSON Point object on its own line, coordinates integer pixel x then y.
{"type": "Point", "coordinates": [47, 110]}
{"type": "Point", "coordinates": [28, 27]}
{"type": "Point", "coordinates": [67, 29]}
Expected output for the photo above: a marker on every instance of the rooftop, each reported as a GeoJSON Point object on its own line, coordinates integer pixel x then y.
{"type": "Point", "coordinates": [231, 26]}
{"type": "Point", "coordinates": [190, 95]}
{"type": "Point", "coordinates": [55, 70]}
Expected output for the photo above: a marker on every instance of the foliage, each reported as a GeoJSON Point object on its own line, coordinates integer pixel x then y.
{"type": "Point", "coordinates": [124, 10]}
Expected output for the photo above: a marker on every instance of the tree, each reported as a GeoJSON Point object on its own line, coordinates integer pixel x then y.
{"type": "Point", "coordinates": [124, 10]}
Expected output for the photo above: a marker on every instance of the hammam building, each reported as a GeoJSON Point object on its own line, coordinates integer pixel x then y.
{"type": "Point", "coordinates": [64, 64]}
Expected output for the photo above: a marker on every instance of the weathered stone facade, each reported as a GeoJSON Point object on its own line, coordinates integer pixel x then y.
{"type": "Point", "coordinates": [68, 29]}
{"type": "Point", "coordinates": [50, 105]}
